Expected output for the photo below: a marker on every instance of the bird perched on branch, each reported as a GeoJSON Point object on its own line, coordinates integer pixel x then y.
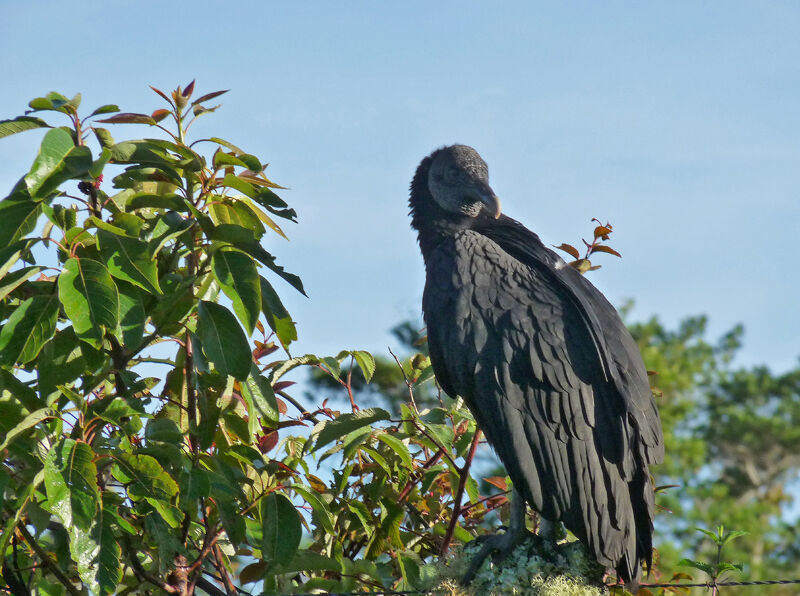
{"type": "Point", "coordinates": [543, 361]}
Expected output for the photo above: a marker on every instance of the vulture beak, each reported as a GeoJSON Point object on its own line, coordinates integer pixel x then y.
{"type": "Point", "coordinates": [490, 201]}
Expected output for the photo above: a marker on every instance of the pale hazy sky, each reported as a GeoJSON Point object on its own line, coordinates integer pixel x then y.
{"type": "Point", "coordinates": [677, 121]}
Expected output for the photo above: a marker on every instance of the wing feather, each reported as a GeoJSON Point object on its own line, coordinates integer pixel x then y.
{"type": "Point", "coordinates": [555, 397]}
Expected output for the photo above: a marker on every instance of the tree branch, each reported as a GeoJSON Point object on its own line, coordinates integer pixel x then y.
{"type": "Point", "coordinates": [49, 563]}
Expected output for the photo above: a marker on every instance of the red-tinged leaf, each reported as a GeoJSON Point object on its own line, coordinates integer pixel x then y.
{"type": "Point", "coordinates": [498, 481]}
{"type": "Point", "coordinates": [652, 373]}
{"type": "Point", "coordinates": [268, 441]}
{"type": "Point", "coordinates": [159, 115]}
{"type": "Point", "coordinates": [263, 349]}
{"type": "Point", "coordinates": [315, 483]}
{"type": "Point", "coordinates": [281, 385]}
{"type": "Point", "coordinates": [602, 232]}
{"type": "Point", "coordinates": [281, 405]}
{"type": "Point", "coordinates": [606, 249]}
{"type": "Point", "coordinates": [189, 89]}
{"type": "Point", "coordinates": [288, 423]}
{"type": "Point", "coordinates": [208, 96]}
{"type": "Point", "coordinates": [129, 118]}
{"type": "Point", "coordinates": [162, 94]}
{"type": "Point", "coordinates": [283, 466]}
{"type": "Point", "coordinates": [569, 249]}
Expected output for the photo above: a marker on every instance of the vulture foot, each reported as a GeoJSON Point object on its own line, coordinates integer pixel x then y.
{"type": "Point", "coordinates": [500, 545]}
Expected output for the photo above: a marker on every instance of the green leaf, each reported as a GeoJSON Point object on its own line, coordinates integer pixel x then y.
{"type": "Point", "coordinates": [106, 109]}
{"type": "Point", "coordinates": [256, 250]}
{"type": "Point", "coordinates": [29, 422]}
{"type": "Point", "coordinates": [278, 318]}
{"type": "Point", "coordinates": [29, 327]}
{"type": "Point", "coordinates": [70, 478]}
{"type": "Point", "coordinates": [65, 362]}
{"type": "Point", "coordinates": [265, 219]}
{"type": "Point", "coordinates": [318, 506]}
{"type": "Point", "coordinates": [224, 343]}
{"type": "Point", "coordinates": [103, 136]}
{"type": "Point", "coordinates": [228, 211]}
{"type": "Point", "coordinates": [238, 277]}
{"type": "Point", "coordinates": [13, 280]}
{"type": "Point", "coordinates": [21, 124]}
{"type": "Point", "coordinates": [131, 316]}
{"type": "Point", "coordinates": [329, 430]}
{"type": "Point", "coordinates": [257, 391]}
{"type": "Point", "coordinates": [97, 554]}
{"type": "Point", "coordinates": [19, 218]}
{"type": "Point", "coordinates": [306, 560]}
{"type": "Point", "coordinates": [90, 298]}
{"type": "Point", "coordinates": [365, 362]}
{"type": "Point", "coordinates": [209, 418]}
{"type": "Point", "coordinates": [281, 529]}
{"type": "Point", "coordinates": [397, 446]}
{"type": "Point", "coordinates": [363, 515]}
{"type": "Point", "coordinates": [146, 479]}
{"type": "Point", "coordinates": [129, 259]}
{"type": "Point", "coordinates": [292, 363]}
{"type": "Point", "coordinates": [59, 160]}
{"type": "Point", "coordinates": [97, 165]}
{"type": "Point", "coordinates": [225, 143]}
{"type": "Point", "coordinates": [164, 430]}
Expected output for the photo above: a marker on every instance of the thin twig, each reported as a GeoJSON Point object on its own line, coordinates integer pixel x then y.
{"type": "Point", "coordinates": [462, 483]}
{"type": "Point", "coordinates": [49, 563]}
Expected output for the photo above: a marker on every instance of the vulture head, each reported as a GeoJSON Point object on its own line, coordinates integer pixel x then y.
{"type": "Point", "coordinates": [457, 179]}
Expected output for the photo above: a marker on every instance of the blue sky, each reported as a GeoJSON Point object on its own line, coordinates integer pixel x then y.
{"type": "Point", "coordinates": [679, 122]}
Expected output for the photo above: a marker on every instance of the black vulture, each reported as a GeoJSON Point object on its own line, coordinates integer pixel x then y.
{"type": "Point", "coordinates": [542, 360]}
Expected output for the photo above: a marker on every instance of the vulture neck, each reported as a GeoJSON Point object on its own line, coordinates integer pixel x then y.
{"type": "Point", "coordinates": [433, 224]}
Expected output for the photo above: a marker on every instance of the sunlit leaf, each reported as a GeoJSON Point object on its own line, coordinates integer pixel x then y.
{"type": "Point", "coordinates": [328, 431]}
{"type": "Point", "coordinates": [97, 553]}
{"type": "Point", "coordinates": [90, 298]}
{"type": "Point", "coordinates": [146, 479]}
{"type": "Point", "coordinates": [30, 421]}
{"type": "Point", "coordinates": [70, 477]}
{"type": "Point", "coordinates": [278, 319]}
{"type": "Point", "coordinates": [224, 342]}
{"type": "Point", "coordinates": [19, 219]}
{"type": "Point", "coordinates": [58, 161]}
{"type": "Point", "coordinates": [30, 325]}
{"type": "Point", "coordinates": [238, 277]}
{"type": "Point", "coordinates": [21, 124]}
{"type": "Point", "coordinates": [106, 109]}
{"type": "Point", "coordinates": [129, 259]}
{"type": "Point", "coordinates": [366, 362]}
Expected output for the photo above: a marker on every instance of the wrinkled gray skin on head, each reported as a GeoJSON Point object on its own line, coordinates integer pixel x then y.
{"type": "Point", "coordinates": [458, 180]}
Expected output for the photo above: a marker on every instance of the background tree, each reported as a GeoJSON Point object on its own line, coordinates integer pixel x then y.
{"type": "Point", "coordinates": [732, 444]}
